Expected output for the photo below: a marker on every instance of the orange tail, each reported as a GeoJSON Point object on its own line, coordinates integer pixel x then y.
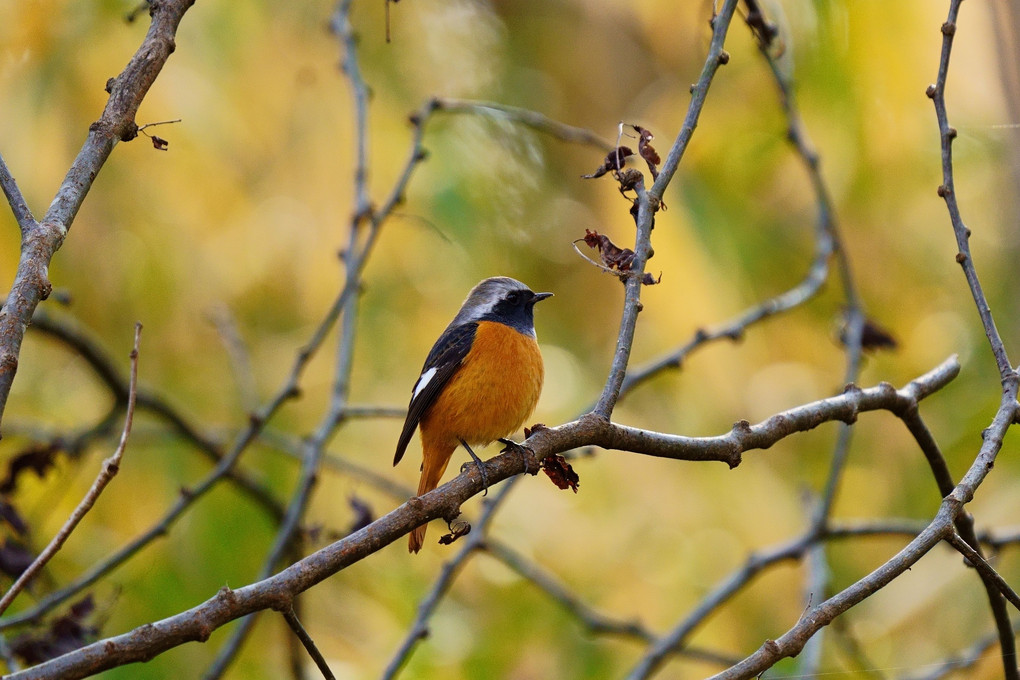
{"type": "Point", "coordinates": [434, 461]}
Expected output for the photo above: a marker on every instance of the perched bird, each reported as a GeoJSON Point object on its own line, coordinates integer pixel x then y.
{"type": "Point", "coordinates": [480, 381]}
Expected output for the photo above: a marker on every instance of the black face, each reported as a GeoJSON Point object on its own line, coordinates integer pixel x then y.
{"type": "Point", "coordinates": [516, 309]}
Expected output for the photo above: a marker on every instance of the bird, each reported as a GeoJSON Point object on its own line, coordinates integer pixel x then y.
{"type": "Point", "coordinates": [481, 380]}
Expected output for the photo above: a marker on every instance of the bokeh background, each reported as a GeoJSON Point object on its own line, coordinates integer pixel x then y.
{"type": "Point", "coordinates": [242, 218]}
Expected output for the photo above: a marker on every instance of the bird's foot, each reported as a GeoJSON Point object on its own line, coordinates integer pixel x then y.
{"type": "Point", "coordinates": [524, 452]}
{"type": "Point", "coordinates": [480, 465]}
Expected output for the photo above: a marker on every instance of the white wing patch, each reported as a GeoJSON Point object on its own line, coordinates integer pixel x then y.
{"type": "Point", "coordinates": [423, 380]}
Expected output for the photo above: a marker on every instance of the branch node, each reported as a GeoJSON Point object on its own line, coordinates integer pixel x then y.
{"type": "Point", "coordinates": [948, 28]}
{"type": "Point", "coordinates": [931, 91]}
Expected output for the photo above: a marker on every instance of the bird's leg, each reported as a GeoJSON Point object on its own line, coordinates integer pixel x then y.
{"type": "Point", "coordinates": [481, 468]}
{"type": "Point", "coordinates": [521, 450]}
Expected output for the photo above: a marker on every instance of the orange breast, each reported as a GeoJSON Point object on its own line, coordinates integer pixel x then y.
{"type": "Point", "coordinates": [493, 392]}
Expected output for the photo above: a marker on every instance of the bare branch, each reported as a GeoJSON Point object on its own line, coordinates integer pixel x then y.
{"type": "Point", "coordinates": [110, 468]}
{"type": "Point", "coordinates": [308, 642]}
{"type": "Point", "coordinates": [716, 57]}
{"type": "Point", "coordinates": [43, 239]}
{"type": "Point", "coordinates": [947, 190]}
{"type": "Point", "coordinates": [279, 590]}
{"type": "Point", "coordinates": [532, 119]}
{"type": "Point", "coordinates": [986, 570]}
{"type": "Point", "coordinates": [17, 202]}
{"type": "Point", "coordinates": [72, 334]}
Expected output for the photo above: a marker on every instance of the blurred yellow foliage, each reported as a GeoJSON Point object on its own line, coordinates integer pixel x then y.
{"type": "Point", "coordinates": [246, 211]}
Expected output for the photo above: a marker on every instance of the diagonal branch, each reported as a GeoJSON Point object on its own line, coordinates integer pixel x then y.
{"type": "Point", "coordinates": [42, 240]}
{"type": "Point", "coordinates": [278, 591]}
{"type": "Point", "coordinates": [947, 190]}
{"type": "Point", "coordinates": [648, 203]}
{"type": "Point", "coordinates": [14, 197]}
{"type": "Point", "coordinates": [309, 644]}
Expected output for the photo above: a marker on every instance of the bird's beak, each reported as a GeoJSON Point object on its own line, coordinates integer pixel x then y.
{"type": "Point", "coordinates": [540, 296]}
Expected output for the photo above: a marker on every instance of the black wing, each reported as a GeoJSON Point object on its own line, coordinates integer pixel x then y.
{"type": "Point", "coordinates": [445, 357]}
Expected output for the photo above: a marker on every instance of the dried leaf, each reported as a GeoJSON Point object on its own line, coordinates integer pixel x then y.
{"type": "Point", "coordinates": [363, 515]}
{"type": "Point", "coordinates": [873, 336]}
{"type": "Point", "coordinates": [458, 528]}
{"type": "Point", "coordinates": [614, 161]}
{"type": "Point", "coordinates": [612, 255]}
{"type": "Point", "coordinates": [9, 514]}
{"type": "Point", "coordinates": [159, 143]}
{"type": "Point", "coordinates": [764, 30]}
{"type": "Point", "coordinates": [560, 472]}
{"type": "Point", "coordinates": [39, 458]}
{"type": "Point", "coordinates": [14, 557]}
{"type": "Point", "coordinates": [63, 635]}
{"type": "Point", "coordinates": [646, 151]}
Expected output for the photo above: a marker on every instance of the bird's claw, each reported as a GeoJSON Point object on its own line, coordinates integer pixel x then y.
{"type": "Point", "coordinates": [521, 450]}
{"type": "Point", "coordinates": [479, 465]}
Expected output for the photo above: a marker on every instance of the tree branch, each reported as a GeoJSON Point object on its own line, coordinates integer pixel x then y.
{"type": "Point", "coordinates": [279, 590]}
{"type": "Point", "coordinates": [947, 190]}
{"type": "Point", "coordinates": [308, 642]}
{"type": "Point", "coordinates": [109, 470]}
{"type": "Point", "coordinates": [42, 240]}
{"type": "Point", "coordinates": [14, 197]}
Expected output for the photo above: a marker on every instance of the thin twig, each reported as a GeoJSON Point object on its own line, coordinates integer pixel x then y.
{"type": "Point", "coordinates": [532, 119]}
{"type": "Point", "coordinates": [42, 240]}
{"type": "Point", "coordinates": [308, 642]}
{"type": "Point", "coordinates": [16, 200]}
{"type": "Point", "coordinates": [947, 190]}
{"type": "Point", "coordinates": [69, 332]}
{"type": "Point", "coordinates": [986, 570]}
{"type": "Point", "coordinates": [716, 57]}
{"type": "Point", "coordinates": [474, 541]}
{"type": "Point", "coordinates": [110, 468]}
{"type": "Point", "coordinates": [355, 260]}
{"type": "Point", "coordinates": [792, 642]}
{"type": "Point", "coordinates": [1008, 376]}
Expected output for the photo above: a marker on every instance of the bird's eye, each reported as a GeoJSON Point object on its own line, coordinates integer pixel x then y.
{"type": "Point", "coordinates": [513, 297]}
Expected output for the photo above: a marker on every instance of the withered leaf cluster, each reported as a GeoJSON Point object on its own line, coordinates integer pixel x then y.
{"type": "Point", "coordinates": [458, 528]}
{"type": "Point", "coordinates": [616, 160]}
{"type": "Point", "coordinates": [38, 458]}
{"type": "Point", "coordinates": [560, 472]}
{"type": "Point", "coordinates": [614, 257]}
{"type": "Point", "coordinates": [63, 634]}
